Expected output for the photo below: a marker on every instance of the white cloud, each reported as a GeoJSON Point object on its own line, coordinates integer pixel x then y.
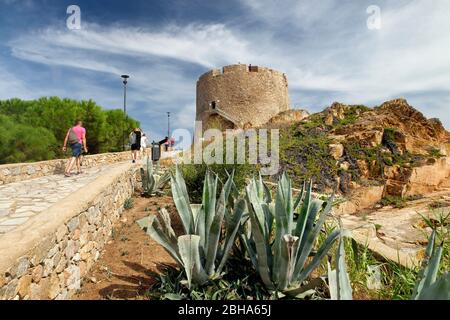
{"type": "Point", "coordinates": [205, 45]}
{"type": "Point", "coordinates": [324, 47]}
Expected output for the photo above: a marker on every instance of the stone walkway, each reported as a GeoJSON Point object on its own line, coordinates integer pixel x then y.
{"type": "Point", "coordinates": [20, 201]}
{"type": "Point", "coordinates": [398, 234]}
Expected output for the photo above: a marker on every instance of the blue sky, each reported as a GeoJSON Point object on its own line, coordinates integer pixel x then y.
{"type": "Point", "coordinates": [324, 47]}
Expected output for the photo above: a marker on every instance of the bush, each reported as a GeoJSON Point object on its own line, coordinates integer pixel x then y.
{"type": "Point", "coordinates": [395, 201]}
{"type": "Point", "coordinates": [23, 143]}
{"type": "Point", "coordinates": [305, 155]}
{"type": "Point", "coordinates": [39, 127]}
{"type": "Point", "coordinates": [194, 176]}
{"type": "Point", "coordinates": [129, 204]}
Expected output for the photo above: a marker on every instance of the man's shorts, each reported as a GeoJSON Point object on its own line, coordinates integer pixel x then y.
{"type": "Point", "coordinates": [76, 149]}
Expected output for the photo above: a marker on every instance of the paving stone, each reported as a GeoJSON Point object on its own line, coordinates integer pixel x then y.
{"type": "Point", "coordinates": [21, 200]}
{"type": "Point", "coordinates": [13, 222]}
{"type": "Point", "coordinates": [5, 229]}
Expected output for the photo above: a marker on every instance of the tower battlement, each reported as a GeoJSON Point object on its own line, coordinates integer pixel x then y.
{"type": "Point", "coordinates": [250, 95]}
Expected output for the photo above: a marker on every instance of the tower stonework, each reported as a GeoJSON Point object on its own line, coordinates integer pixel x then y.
{"type": "Point", "coordinates": [240, 96]}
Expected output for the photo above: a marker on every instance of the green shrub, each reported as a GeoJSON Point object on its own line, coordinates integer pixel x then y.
{"type": "Point", "coordinates": [194, 175]}
{"type": "Point", "coordinates": [435, 152]}
{"type": "Point", "coordinates": [129, 204]}
{"type": "Point", "coordinates": [351, 115]}
{"type": "Point", "coordinates": [395, 201]}
{"type": "Point", "coordinates": [40, 126]}
{"type": "Point", "coordinates": [305, 155]}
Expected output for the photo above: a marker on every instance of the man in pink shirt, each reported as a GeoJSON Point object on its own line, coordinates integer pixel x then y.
{"type": "Point", "coordinates": [76, 138]}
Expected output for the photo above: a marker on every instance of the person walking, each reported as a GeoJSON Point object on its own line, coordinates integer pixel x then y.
{"type": "Point", "coordinates": [76, 138]}
{"type": "Point", "coordinates": [135, 141]}
{"type": "Point", "coordinates": [144, 144]}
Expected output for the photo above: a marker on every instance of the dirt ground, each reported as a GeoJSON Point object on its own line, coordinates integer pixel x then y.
{"type": "Point", "coordinates": [123, 270]}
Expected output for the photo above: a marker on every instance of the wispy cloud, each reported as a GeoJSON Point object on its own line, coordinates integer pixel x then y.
{"type": "Point", "coordinates": [324, 47]}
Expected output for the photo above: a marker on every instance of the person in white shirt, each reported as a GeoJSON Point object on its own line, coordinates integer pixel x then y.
{"type": "Point", "coordinates": [144, 144]}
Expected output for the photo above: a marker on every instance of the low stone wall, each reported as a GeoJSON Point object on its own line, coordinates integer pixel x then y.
{"type": "Point", "coordinates": [25, 171]}
{"type": "Point", "coordinates": [47, 257]}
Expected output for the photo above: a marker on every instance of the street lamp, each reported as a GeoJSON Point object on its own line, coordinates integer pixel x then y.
{"type": "Point", "coordinates": [125, 78]}
{"type": "Point", "coordinates": [168, 124]}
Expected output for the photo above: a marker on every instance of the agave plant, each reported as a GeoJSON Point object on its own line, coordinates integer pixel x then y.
{"type": "Point", "coordinates": [151, 183]}
{"type": "Point", "coordinates": [338, 279]}
{"type": "Point", "coordinates": [428, 287]}
{"type": "Point", "coordinates": [278, 246]}
{"type": "Point", "coordinates": [208, 236]}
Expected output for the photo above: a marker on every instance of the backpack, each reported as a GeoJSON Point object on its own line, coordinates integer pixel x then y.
{"type": "Point", "coordinates": [133, 138]}
{"type": "Point", "coordinates": [73, 138]}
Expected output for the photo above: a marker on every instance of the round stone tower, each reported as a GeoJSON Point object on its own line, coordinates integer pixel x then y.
{"type": "Point", "coordinates": [240, 96]}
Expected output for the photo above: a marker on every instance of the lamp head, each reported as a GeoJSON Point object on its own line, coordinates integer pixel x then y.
{"type": "Point", "coordinates": [125, 78]}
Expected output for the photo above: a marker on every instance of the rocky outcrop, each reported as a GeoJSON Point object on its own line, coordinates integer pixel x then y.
{"type": "Point", "coordinates": [389, 150]}
{"type": "Point", "coordinates": [289, 116]}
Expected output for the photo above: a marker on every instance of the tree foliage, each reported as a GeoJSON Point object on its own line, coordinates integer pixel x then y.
{"type": "Point", "coordinates": [35, 130]}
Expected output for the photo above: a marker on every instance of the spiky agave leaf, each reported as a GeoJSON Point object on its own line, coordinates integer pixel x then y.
{"type": "Point", "coordinates": [231, 230]}
{"type": "Point", "coordinates": [263, 257]}
{"type": "Point", "coordinates": [163, 234]}
{"type": "Point", "coordinates": [181, 200]}
{"type": "Point", "coordinates": [439, 290]}
{"type": "Point", "coordinates": [190, 256]}
{"type": "Point", "coordinates": [338, 279]}
{"type": "Point", "coordinates": [430, 267]}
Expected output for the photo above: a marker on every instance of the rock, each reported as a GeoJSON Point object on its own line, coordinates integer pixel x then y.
{"type": "Point", "coordinates": [72, 248]}
{"type": "Point", "coordinates": [345, 165]}
{"type": "Point", "coordinates": [72, 276]}
{"type": "Point", "coordinates": [73, 223]}
{"type": "Point", "coordinates": [289, 116]}
{"type": "Point", "coordinates": [374, 278]}
{"type": "Point", "coordinates": [31, 170]}
{"type": "Point", "coordinates": [395, 188]}
{"type": "Point", "coordinates": [11, 289]}
{"type": "Point", "coordinates": [76, 234]}
{"type": "Point", "coordinates": [83, 268]}
{"type": "Point", "coordinates": [48, 267]}
{"type": "Point", "coordinates": [3, 280]}
{"type": "Point", "coordinates": [41, 250]}
{"type": "Point", "coordinates": [63, 295]}
{"type": "Point", "coordinates": [35, 291]}
{"type": "Point", "coordinates": [44, 288]}
{"type": "Point", "coordinates": [61, 265]}
{"type": "Point", "coordinates": [94, 215]}
{"type": "Point", "coordinates": [53, 251]}
{"type": "Point", "coordinates": [76, 257]}
{"type": "Point", "coordinates": [54, 288]}
{"type": "Point", "coordinates": [329, 119]}
{"type": "Point", "coordinates": [84, 238]}
{"type": "Point", "coordinates": [37, 273]}
{"type": "Point", "coordinates": [22, 267]}
{"type": "Point", "coordinates": [61, 232]}
{"type": "Point", "coordinates": [336, 150]}
{"type": "Point", "coordinates": [368, 138]}
{"type": "Point", "coordinates": [23, 286]}
{"type": "Point", "coordinates": [363, 168]}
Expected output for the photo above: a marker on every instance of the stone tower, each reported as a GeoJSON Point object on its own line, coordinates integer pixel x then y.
{"type": "Point", "coordinates": [240, 96]}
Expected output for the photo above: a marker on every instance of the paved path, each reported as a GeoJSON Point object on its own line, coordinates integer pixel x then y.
{"type": "Point", "coordinates": [21, 200]}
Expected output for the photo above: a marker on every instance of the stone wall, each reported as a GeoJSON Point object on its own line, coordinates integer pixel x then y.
{"type": "Point", "coordinates": [25, 171]}
{"type": "Point", "coordinates": [46, 257]}
{"type": "Point", "coordinates": [247, 96]}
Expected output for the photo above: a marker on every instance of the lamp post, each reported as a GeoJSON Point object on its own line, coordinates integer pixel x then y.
{"type": "Point", "coordinates": [125, 81]}
{"type": "Point", "coordinates": [168, 124]}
